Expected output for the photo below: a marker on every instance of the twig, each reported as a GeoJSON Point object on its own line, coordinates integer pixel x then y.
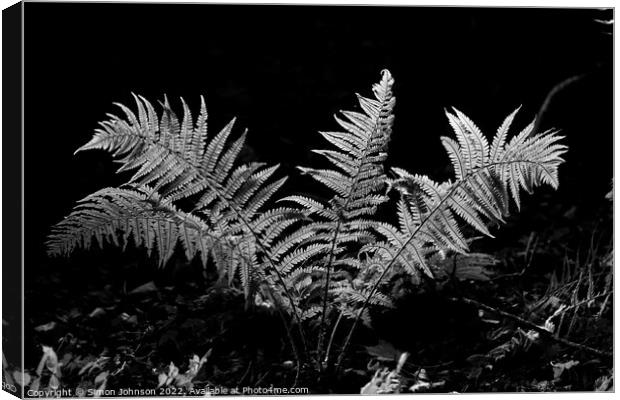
{"type": "Point", "coordinates": [246, 373]}
{"type": "Point", "coordinates": [118, 371]}
{"type": "Point", "coordinates": [534, 327]}
{"type": "Point", "coordinates": [604, 304]}
{"type": "Point", "coordinates": [577, 304]}
{"type": "Point", "coordinates": [528, 257]}
{"type": "Point", "coordinates": [262, 377]}
{"type": "Point", "coordinates": [582, 302]}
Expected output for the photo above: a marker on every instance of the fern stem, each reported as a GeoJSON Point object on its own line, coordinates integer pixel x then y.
{"type": "Point", "coordinates": [322, 326]}
{"type": "Point", "coordinates": [331, 340]}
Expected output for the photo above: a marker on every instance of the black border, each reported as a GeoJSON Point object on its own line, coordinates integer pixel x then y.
{"type": "Point", "coordinates": [12, 209]}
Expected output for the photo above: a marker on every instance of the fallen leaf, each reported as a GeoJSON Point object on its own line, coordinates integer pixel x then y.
{"type": "Point", "coordinates": [146, 288]}
{"type": "Point", "coordinates": [22, 378]}
{"type": "Point", "coordinates": [51, 361]}
{"type": "Point", "coordinates": [54, 382]}
{"type": "Point", "coordinates": [101, 377]}
{"type": "Point", "coordinates": [161, 378]}
{"type": "Point", "coordinates": [86, 367]}
{"type": "Point", "coordinates": [46, 327]}
{"type": "Point", "coordinates": [604, 384]}
{"type": "Point", "coordinates": [416, 387]}
{"type": "Point", "coordinates": [96, 312]}
{"type": "Point", "coordinates": [559, 368]}
{"type": "Point", "coordinates": [369, 389]}
{"type": "Point", "coordinates": [384, 351]}
{"type": "Point", "coordinates": [35, 384]}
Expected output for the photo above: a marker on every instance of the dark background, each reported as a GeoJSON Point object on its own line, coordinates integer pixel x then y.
{"type": "Point", "coordinates": [284, 70]}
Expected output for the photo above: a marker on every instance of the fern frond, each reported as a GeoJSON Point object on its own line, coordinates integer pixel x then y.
{"type": "Point", "coordinates": [485, 175]}
{"type": "Point", "coordinates": [356, 178]}
{"type": "Point", "coordinates": [114, 215]}
{"type": "Point", "coordinates": [180, 161]}
{"type": "Point", "coordinates": [171, 157]}
{"type": "Point", "coordinates": [183, 164]}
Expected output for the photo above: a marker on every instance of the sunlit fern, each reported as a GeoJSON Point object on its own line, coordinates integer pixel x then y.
{"type": "Point", "coordinates": [431, 215]}
{"type": "Point", "coordinates": [188, 187]}
{"type": "Point", "coordinates": [487, 178]}
{"type": "Point", "coordinates": [177, 162]}
{"type": "Point", "coordinates": [357, 180]}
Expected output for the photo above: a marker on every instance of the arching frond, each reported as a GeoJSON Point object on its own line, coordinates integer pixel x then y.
{"type": "Point", "coordinates": [114, 216]}
{"type": "Point", "coordinates": [431, 215]}
{"type": "Point", "coordinates": [180, 161]}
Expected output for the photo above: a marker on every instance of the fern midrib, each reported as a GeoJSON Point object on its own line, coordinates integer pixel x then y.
{"type": "Point", "coordinates": [413, 235]}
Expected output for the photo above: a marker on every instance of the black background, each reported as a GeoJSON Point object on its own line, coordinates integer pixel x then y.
{"type": "Point", "coordinates": [285, 70]}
